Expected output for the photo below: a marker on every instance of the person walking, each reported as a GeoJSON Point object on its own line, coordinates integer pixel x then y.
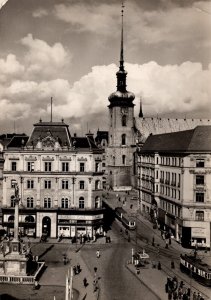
{"type": "Point", "coordinates": [85, 282]}
{"type": "Point", "coordinates": [98, 253]}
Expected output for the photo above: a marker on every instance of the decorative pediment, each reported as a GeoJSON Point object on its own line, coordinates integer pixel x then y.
{"type": "Point", "coordinates": [30, 158]}
{"type": "Point", "coordinates": [48, 158]}
{"type": "Point", "coordinates": [65, 158]}
{"type": "Point", "coordinates": [48, 142]}
{"type": "Point", "coordinates": [82, 159]}
{"type": "Point", "coordinates": [14, 158]}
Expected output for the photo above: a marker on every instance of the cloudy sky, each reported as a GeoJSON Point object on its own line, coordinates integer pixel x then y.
{"type": "Point", "coordinates": [69, 50]}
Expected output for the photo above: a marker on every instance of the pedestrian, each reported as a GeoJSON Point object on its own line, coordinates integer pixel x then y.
{"type": "Point", "coordinates": [198, 296]}
{"type": "Point", "coordinates": [74, 270]}
{"type": "Point", "coordinates": [194, 296]}
{"type": "Point", "coordinates": [78, 267]}
{"type": "Point", "coordinates": [85, 282]}
{"type": "Point", "coordinates": [98, 253]}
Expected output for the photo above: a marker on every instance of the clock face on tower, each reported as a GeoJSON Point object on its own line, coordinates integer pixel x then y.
{"type": "Point", "coordinates": [124, 110]}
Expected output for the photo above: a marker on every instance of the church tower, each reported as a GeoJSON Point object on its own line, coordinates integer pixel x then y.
{"type": "Point", "coordinates": [121, 128]}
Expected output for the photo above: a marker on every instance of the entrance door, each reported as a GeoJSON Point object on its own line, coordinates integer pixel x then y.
{"type": "Point", "coordinates": [46, 226]}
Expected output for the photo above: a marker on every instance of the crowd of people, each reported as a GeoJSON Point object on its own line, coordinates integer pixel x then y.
{"type": "Point", "coordinates": [178, 291]}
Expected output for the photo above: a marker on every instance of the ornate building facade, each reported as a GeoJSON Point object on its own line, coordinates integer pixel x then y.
{"type": "Point", "coordinates": [175, 183]}
{"type": "Point", "coordinates": [60, 182]}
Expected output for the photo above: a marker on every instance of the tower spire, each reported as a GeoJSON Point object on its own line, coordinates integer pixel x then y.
{"type": "Point", "coordinates": [121, 67]}
{"type": "Point", "coordinates": [121, 74]}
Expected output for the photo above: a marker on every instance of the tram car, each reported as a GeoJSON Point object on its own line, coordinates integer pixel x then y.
{"type": "Point", "coordinates": [196, 268]}
{"type": "Point", "coordinates": [126, 220]}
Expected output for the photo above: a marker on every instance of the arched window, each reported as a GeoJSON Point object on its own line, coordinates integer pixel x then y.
{"type": "Point", "coordinates": [12, 201]}
{"type": "Point", "coordinates": [123, 139]}
{"type": "Point", "coordinates": [123, 159]}
{"type": "Point", "coordinates": [97, 202]}
{"type": "Point", "coordinates": [124, 120]}
{"type": "Point", "coordinates": [81, 202]}
{"type": "Point", "coordinates": [64, 202]}
{"type": "Point", "coordinates": [97, 184]}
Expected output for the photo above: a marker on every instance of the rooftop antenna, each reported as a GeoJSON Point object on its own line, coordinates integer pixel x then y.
{"type": "Point", "coordinates": [51, 107]}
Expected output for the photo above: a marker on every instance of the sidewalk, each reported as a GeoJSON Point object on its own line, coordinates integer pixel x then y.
{"type": "Point", "coordinates": [166, 269]}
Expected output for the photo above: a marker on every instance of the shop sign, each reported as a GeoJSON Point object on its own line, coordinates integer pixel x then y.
{"type": "Point", "coordinates": [198, 232]}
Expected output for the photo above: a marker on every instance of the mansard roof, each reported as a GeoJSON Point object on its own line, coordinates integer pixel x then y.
{"type": "Point", "coordinates": [187, 141]}
{"type": "Point", "coordinates": [57, 130]}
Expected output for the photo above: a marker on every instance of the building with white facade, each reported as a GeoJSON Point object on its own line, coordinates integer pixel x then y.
{"type": "Point", "coordinates": [175, 183]}
{"type": "Point", "coordinates": [59, 179]}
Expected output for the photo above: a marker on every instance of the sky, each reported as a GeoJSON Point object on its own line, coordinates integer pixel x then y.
{"type": "Point", "coordinates": [69, 50]}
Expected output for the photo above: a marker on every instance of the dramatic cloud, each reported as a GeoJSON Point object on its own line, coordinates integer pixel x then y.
{"type": "Point", "coordinates": [164, 89]}
{"type": "Point", "coordinates": [10, 68]}
{"type": "Point", "coordinates": [43, 60]}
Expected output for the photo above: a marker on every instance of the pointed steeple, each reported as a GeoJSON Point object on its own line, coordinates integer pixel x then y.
{"type": "Point", "coordinates": [121, 74]}
{"type": "Point", "coordinates": [121, 67]}
{"type": "Point", "coordinates": [140, 111]}
{"type": "Point", "coordinates": [121, 97]}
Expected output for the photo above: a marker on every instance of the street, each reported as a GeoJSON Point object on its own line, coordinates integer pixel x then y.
{"type": "Point", "coordinates": [116, 281]}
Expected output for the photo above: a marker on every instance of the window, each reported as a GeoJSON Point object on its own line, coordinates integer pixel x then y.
{"type": "Point", "coordinates": [97, 165]}
{"type": "Point", "coordinates": [199, 215]}
{"type": "Point", "coordinates": [200, 163]}
{"type": "Point", "coordinates": [82, 167]}
{"type": "Point", "coordinates": [199, 179]}
{"type": "Point", "coordinates": [47, 202]}
{"type": "Point", "coordinates": [65, 184]}
{"type": "Point", "coordinates": [13, 183]}
{"type": "Point", "coordinates": [65, 167]}
{"type": "Point", "coordinates": [30, 184]}
{"type": "Point", "coordinates": [97, 202]}
{"type": "Point", "coordinates": [12, 201]}
{"type": "Point", "coordinates": [13, 166]}
{"type": "Point", "coordinates": [30, 166]}
{"type": "Point", "coordinates": [123, 159]}
{"type": "Point", "coordinates": [81, 185]}
{"type": "Point", "coordinates": [97, 184]}
{"type": "Point", "coordinates": [48, 166]}
{"type": "Point", "coordinates": [65, 203]}
{"type": "Point", "coordinates": [124, 120]}
{"type": "Point", "coordinates": [199, 197]}
{"type": "Point", "coordinates": [123, 139]}
{"type": "Point", "coordinates": [30, 202]}
{"type": "Point", "coordinates": [47, 184]}
{"type": "Point", "coordinates": [81, 202]}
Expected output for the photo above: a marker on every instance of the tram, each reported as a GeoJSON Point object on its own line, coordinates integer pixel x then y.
{"type": "Point", "coordinates": [126, 220]}
{"type": "Point", "coordinates": [196, 268]}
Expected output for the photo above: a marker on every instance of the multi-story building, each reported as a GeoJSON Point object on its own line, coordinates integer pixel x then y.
{"type": "Point", "coordinates": [59, 179]}
{"type": "Point", "coordinates": [175, 183]}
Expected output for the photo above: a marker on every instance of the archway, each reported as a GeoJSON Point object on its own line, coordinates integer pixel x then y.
{"type": "Point", "coordinates": [46, 226]}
